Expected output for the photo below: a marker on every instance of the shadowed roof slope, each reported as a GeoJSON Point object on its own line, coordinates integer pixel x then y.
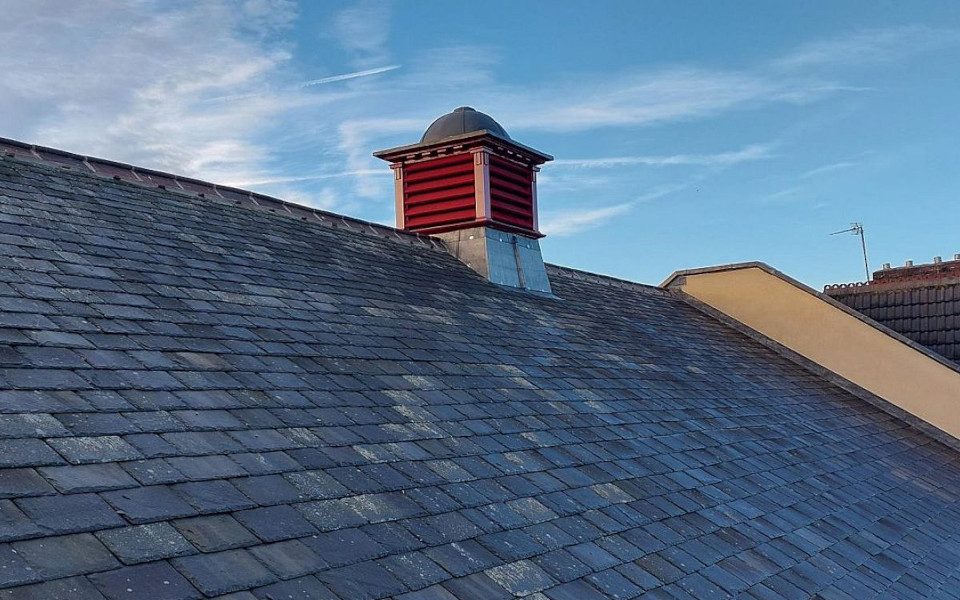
{"type": "Point", "coordinates": [206, 399]}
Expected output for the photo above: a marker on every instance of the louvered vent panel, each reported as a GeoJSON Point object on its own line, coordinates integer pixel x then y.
{"type": "Point", "coordinates": [511, 193]}
{"type": "Point", "coordinates": [439, 192]}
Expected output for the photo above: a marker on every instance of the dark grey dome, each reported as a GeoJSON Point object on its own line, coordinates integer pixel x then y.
{"type": "Point", "coordinates": [462, 120]}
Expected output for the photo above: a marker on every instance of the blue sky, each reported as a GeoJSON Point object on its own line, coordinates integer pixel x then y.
{"type": "Point", "coordinates": [686, 133]}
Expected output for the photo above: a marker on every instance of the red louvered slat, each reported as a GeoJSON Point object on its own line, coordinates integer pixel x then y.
{"type": "Point", "coordinates": [439, 192]}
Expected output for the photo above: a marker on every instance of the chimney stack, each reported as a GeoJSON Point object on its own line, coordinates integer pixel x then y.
{"type": "Point", "coordinates": [468, 183]}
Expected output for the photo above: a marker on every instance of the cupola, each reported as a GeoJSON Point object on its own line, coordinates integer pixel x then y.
{"type": "Point", "coordinates": [469, 183]}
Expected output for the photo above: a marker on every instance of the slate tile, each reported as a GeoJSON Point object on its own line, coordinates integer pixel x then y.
{"type": "Point", "coordinates": [414, 569]}
{"type": "Point", "coordinates": [581, 590]}
{"type": "Point", "coordinates": [153, 471]}
{"type": "Point", "coordinates": [27, 425]}
{"type": "Point", "coordinates": [27, 453]}
{"type": "Point", "coordinates": [145, 543]}
{"type": "Point", "coordinates": [263, 463]}
{"type": "Point", "coordinates": [202, 442]}
{"type": "Point", "coordinates": [215, 533]}
{"type": "Point", "coordinates": [223, 572]}
{"type": "Point", "coordinates": [267, 490]}
{"type": "Point", "coordinates": [477, 585]}
{"type": "Point", "coordinates": [15, 483]}
{"type": "Point", "coordinates": [302, 588]}
{"type": "Point", "coordinates": [43, 379]}
{"type": "Point", "coordinates": [363, 581]}
{"type": "Point", "coordinates": [146, 504]}
{"type": "Point", "coordinates": [521, 578]}
{"type": "Point", "coordinates": [593, 556]}
{"type": "Point", "coordinates": [100, 449]}
{"type": "Point", "coordinates": [61, 589]}
{"type": "Point", "coordinates": [156, 581]}
{"type": "Point", "coordinates": [70, 514]}
{"type": "Point", "coordinates": [288, 559]}
{"type": "Point", "coordinates": [206, 467]}
{"type": "Point", "coordinates": [214, 496]}
{"type": "Point", "coordinates": [462, 558]}
{"type": "Point", "coordinates": [393, 537]}
{"type": "Point", "coordinates": [327, 515]}
{"type": "Point", "coordinates": [14, 569]}
{"type": "Point", "coordinates": [275, 523]}
{"type": "Point", "coordinates": [434, 592]}
{"type": "Point", "coordinates": [561, 565]}
{"type": "Point", "coordinates": [65, 556]}
{"type": "Point", "coordinates": [71, 479]}
{"type": "Point", "coordinates": [345, 546]}
{"type": "Point", "coordinates": [151, 445]}
{"type": "Point", "coordinates": [614, 585]}
{"type": "Point", "coordinates": [14, 524]}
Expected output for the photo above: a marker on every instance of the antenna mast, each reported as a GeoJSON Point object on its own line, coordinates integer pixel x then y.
{"type": "Point", "coordinates": [857, 229]}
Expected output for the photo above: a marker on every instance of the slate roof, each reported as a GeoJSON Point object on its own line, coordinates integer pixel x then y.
{"type": "Point", "coordinates": [926, 311]}
{"type": "Point", "coordinates": [208, 400]}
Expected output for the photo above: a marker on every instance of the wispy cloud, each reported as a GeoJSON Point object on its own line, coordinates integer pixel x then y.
{"type": "Point", "coordinates": [58, 91]}
{"type": "Point", "coordinates": [317, 177]}
{"type": "Point", "coordinates": [837, 166]}
{"type": "Point", "coordinates": [355, 136]}
{"type": "Point", "coordinates": [870, 47]}
{"type": "Point", "coordinates": [363, 30]}
{"type": "Point", "coordinates": [646, 98]}
{"type": "Point", "coordinates": [224, 99]}
{"type": "Point", "coordinates": [569, 222]}
{"type": "Point", "coordinates": [749, 153]}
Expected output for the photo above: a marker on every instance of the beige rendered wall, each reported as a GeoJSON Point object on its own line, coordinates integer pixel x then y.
{"type": "Point", "coordinates": [838, 341]}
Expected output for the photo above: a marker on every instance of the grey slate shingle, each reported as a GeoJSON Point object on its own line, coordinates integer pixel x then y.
{"type": "Point", "coordinates": [27, 452]}
{"type": "Point", "coordinates": [156, 581]}
{"type": "Point", "coordinates": [69, 514]}
{"type": "Point", "coordinates": [224, 572]}
{"type": "Point", "coordinates": [61, 589]}
{"type": "Point", "coordinates": [145, 543]}
{"type": "Point", "coordinates": [215, 533]}
{"type": "Point", "coordinates": [284, 409]}
{"type": "Point", "coordinates": [71, 479]}
{"type": "Point", "coordinates": [146, 504]}
{"type": "Point", "coordinates": [275, 523]}
{"type": "Point", "coordinates": [94, 449]}
{"type": "Point", "coordinates": [64, 556]}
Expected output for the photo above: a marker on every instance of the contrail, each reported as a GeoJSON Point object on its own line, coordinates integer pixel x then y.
{"type": "Point", "coordinates": [311, 83]}
{"type": "Point", "coordinates": [346, 76]}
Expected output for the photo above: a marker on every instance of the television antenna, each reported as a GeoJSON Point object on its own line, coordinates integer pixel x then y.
{"type": "Point", "coordinates": [857, 229]}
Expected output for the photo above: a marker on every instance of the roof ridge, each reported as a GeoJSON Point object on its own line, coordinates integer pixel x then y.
{"type": "Point", "coordinates": [607, 280]}
{"type": "Point", "coordinates": [152, 178]}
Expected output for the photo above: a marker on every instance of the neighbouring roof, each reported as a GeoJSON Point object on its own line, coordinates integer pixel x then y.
{"type": "Point", "coordinates": [201, 398]}
{"type": "Point", "coordinates": [920, 302]}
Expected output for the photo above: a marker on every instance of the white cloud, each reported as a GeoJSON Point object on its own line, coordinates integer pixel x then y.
{"type": "Point", "coordinates": [870, 46]}
{"type": "Point", "coordinates": [355, 137]}
{"type": "Point", "coordinates": [644, 98]}
{"type": "Point", "coordinates": [570, 222]}
{"type": "Point", "coordinates": [748, 153]}
{"type": "Point", "coordinates": [210, 90]}
{"type": "Point", "coordinates": [837, 166]}
{"type": "Point", "coordinates": [129, 81]}
{"type": "Point", "coordinates": [363, 30]}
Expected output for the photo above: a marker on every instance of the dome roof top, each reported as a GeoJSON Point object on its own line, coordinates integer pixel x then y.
{"type": "Point", "coordinates": [462, 120]}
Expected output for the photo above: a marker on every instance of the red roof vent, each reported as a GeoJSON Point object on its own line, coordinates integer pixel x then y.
{"type": "Point", "coordinates": [466, 172]}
